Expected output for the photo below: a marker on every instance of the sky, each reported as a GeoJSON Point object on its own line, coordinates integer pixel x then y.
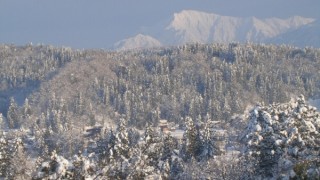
{"type": "Point", "coordinates": [101, 23]}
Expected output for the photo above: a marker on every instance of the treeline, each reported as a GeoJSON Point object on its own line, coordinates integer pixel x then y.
{"type": "Point", "coordinates": [88, 87]}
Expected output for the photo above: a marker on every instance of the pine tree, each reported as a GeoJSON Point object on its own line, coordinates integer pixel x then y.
{"type": "Point", "coordinates": [111, 140]}
{"type": "Point", "coordinates": [282, 135]}
{"type": "Point", "coordinates": [120, 154]}
{"type": "Point", "coordinates": [8, 149]}
{"type": "Point", "coordinates": [26, 110]}
{"type": "Point", "coordinates": [55, 167]}
{"type": "Point", "coordinates": [20, 164]}
{"type": "Point", "coordinates": [165, 170]}
{"type": "Point", "coordinates": [2, 122]}
{"type": "Point", "coordinates": [149, 135]}
{"type": "Point", "coordinates": [13, 114]}
{"type": "Point", "coordinates": [4, 156]}
{"type": "Point", "coordinates": [209, 146]}
{"type": "Point", "coordinates": [175, 169]}
{"type": "Point", "coordinates": [91, 116]}
{"type": "Point", "coordinates": [79, 104]}
{"type": "Point", "coordinates": [192, 139]}
{"type": "Point", "coordinates": [151, 147]}
{"type": "Point", "coordinates": [78, 164]}
{"type": "Point", "coordinates": [122, 140]}
{"type": "Point", "coordinates": [169, 145]}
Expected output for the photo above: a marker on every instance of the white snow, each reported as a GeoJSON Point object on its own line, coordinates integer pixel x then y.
{"type": "Point", "coordinates": [257, 128]}
{"type": "Point", "coordinates": [136, 42]}
{"type": "Point", "coordinates": [315, 103]}
{"type": "Point", "coordinates": [178, 133]}
{"type": "Point", "coordinates": [267, 118]}
{"type": "Point", "coordinates": [297, 130]}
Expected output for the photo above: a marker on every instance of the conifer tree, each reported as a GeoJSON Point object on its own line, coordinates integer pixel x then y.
{"type": "Point", "coordinates": [192, 139]}
{"type": "Point", "coordinates": [122, 140]}
{"type": "Point", "coordinates": [20, 164]}
{"type": "Point", "coordinates": [120, 154]}
{"type": "Point", "coordinates": [2, 122]}
{"type": "Point", "coordinates": [4, 156]}
{"type": "Point", "coordinates": [26, 110]}
{"type": "Point", "coordinates": [13, 114]}
{"type": "Point", "coordinates": [209, 146]}
{"type": "Point", "coordinates": [169, 145]}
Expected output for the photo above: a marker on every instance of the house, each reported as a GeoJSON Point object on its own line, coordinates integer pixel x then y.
{"type": "Point", "coordinates": [163, 125]}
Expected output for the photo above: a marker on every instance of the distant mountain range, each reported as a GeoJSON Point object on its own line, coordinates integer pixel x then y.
{"type": "Point", "coordinates": [193, 26]}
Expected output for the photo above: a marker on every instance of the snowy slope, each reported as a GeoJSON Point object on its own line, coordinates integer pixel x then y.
{"type": "Point", "coordinates": [138, 41]}
{"type": "Point", "coordinates": [194, 26]}
{"type": "Point", "coordinates": [308, 35]}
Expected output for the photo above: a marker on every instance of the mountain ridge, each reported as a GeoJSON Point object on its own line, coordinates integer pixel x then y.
{"type": "Point", "coordinates": [307, 35]}
{"type": "Point", "coordinates": [190, 26]}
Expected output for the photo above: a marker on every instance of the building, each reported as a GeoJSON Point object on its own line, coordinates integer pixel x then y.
{"type": "Point", "coordinates": [163, 125]}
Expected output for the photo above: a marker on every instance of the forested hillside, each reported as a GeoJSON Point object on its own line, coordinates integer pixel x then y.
{"type": "Point", "coordinates": [52, 100]}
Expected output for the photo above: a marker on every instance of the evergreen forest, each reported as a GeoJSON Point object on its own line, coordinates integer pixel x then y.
{"type": "Point", "coordinates": [234, 111]}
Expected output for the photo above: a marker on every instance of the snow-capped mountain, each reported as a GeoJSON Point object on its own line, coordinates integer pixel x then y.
{"type": "Point", "coordinates": [194, 26]}
{"type": "Point", "coordinates": [136, 42]}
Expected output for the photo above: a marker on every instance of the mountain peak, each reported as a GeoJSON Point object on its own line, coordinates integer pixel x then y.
{"type": "Point", "coordinates": [137, 42]}
{"type": "Point", "coordinates": [192, 26]}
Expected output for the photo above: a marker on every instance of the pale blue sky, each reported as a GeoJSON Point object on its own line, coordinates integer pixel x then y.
{"type": "Point", "coordinates": [100, 23]}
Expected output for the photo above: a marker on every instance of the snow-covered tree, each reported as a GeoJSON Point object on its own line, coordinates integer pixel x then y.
{"type": "Point", "coordinates": [176, 169]}
{"type": "Point", "coordinates": [83, 167]}
{"type": "Point", "coordinates": [91, 116]}
{"type": "Point", "coordinates": [21, 164]}
{"type": "Point", "coordinates": [79, 104]}
{"type": "Point", "coordinates": [122, 141]}
{"type": "Point", "coordinates": [210, 147]}
{"type": "Point", "coordinates": [10, 151]}
{"type": "Point", "coordinates": [26, 109]}
{"type": "Point", "coordinates": [281, 136]}
{"type": "Point", "coordinates": [4, 156]}
{"type": "Point", "coordinates": [169, 144]}
{"type": "Point", "coordinates": [192, 141]}
{"type": "Point", "coordinates": [151, 147]}
{"type": "Point", "coordinates": [13, 116]}
{"type": "Point", "coordinates": [56, 167]}
{"type": "Point", "coordinates": [2, 122]}
{"type": "Point", "coordinates": [120, 153]}
{"type": "Point", "coordinates": [78, 165]}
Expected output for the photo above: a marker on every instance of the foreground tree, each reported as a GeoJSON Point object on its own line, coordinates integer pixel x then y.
{"type": "Point", "coordinates": [281, 136]}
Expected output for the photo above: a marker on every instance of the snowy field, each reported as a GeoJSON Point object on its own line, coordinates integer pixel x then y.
{"type": "Point", "coordinates": [315, 103]}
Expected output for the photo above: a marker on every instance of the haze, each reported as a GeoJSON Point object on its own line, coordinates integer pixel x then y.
{"type": "Point", "coordinates": [99, 23]}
